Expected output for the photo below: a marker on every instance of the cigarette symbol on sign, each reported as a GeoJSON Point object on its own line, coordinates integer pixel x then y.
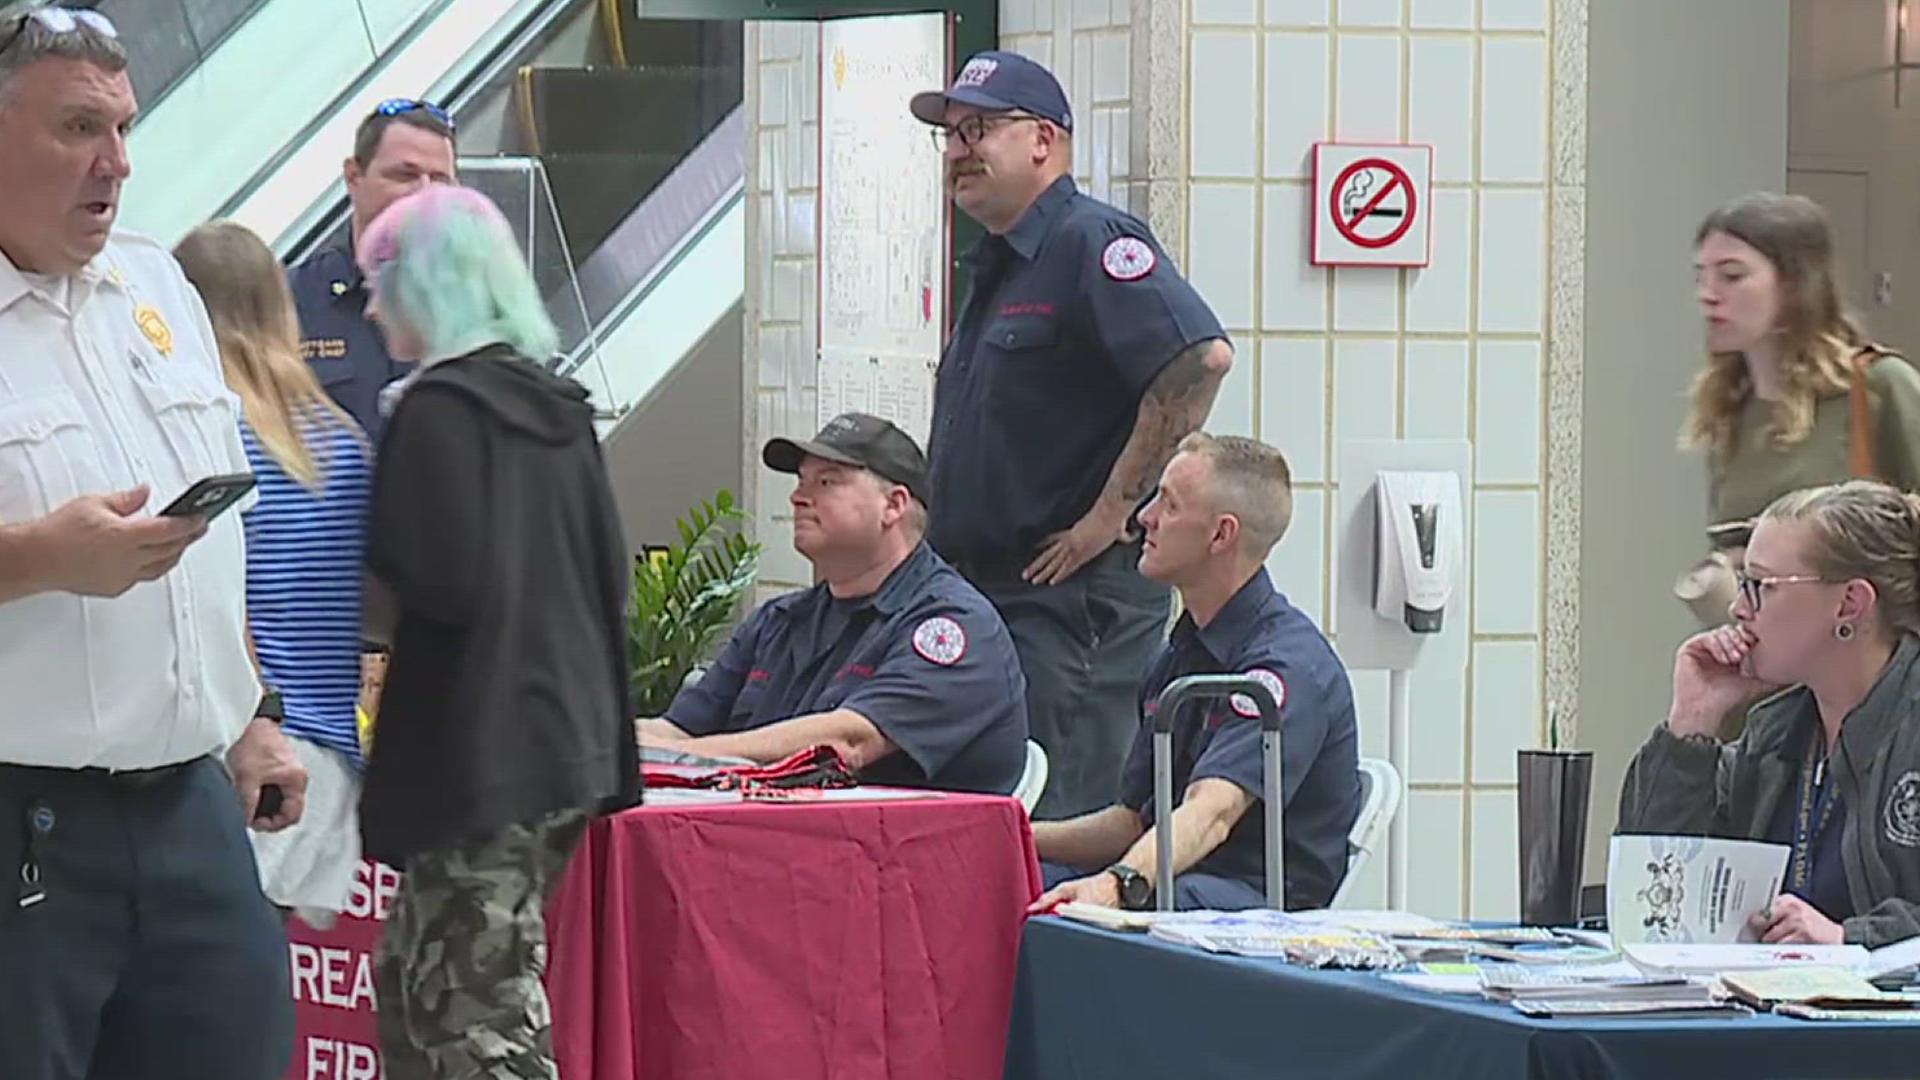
{"type": "Point", "coordinates": [1373, 203]}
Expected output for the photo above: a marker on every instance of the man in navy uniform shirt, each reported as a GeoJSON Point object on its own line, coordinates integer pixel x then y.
{"type": "Point", "coordinates": [892, 658]}
{"type": "Point", "coordinates": [1223, 503]}
{"type": "Point", "coordinates": [402, 146]}
{"type": "Point", "coordinates": [1078, 361]}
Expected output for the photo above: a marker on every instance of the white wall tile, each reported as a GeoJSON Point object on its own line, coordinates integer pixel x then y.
{"type": "Point", "coordinates": [1037, 48]}
{"type": "Point", "coordinates": [1369, 12]}
{"type": "Point", "coordinates": [1122, 147]}
{"type": "Point", "coordinates": [809, 171]}
{"type": "Point", "coordinates": [1366, 298]}
{"type": "Point", "coordinates": [1434, 837]}
{"type": "Point", "coordinates": [1495, 840]}
{"type": "Point", "coordinates": [1237, 404]}
{"type": "Point", "coordinates": [1513, 257]}
{"type": "Point", "coordinates": [1365, 386]}
{"type": "Point", "coordinates": [1294, 291]}
{"type": "Point", "coordinates": [1296, 562]}
{"type": "Point", "coordinates": [1368, 106]}
{"type": "Point", "coordinates": [776, 81]}
{"type": "Point", "coordinates": [1223, 106]}
{"type": "Point", "coordinates": [1442, 15]}
{"type": "Point", "coordinates": [1506, 707]}
{"type": "Point", "coordinates": [1507, 411]}
{"type": "Point", "coordinates": [1440, 294]}
{"type": "Point", "coordinates": [1088, 14]}
{"type": "Point", "coordinates": [1371, 690]}
{"type": "Point", "coordinates": [1513, 109]}
{"type": "Point", "coordinates": [1016, 17]}
{"type": "Point", "coordinates": [783, 291]}
{"type": "Point", "coordinates": [1111, 75]}
{"type": "Point", "coordinates": [1099, 160]}
{"type": "Point", "coordinates": [1436, 390]}
{"type": "Point", "coordinates": [1299, 12]}
{"type": "Point", "coordinates": [1440, 102]}
{"type": "Point", "coordinates": [1122, 13]}
{"type": "Point", "coordinates": [1293, 403]}
{"type": "Point", "coordinates": [1512, 14]}
{"type": "Point", "coordinates": [1240, 12]}
{"type": "Point", "coordinates": [1220, 237]}
{"type": "Point", "coordinates": [1079, 81]}
{"type": "Point", "coordinates": [1437, 724]}
{"type": "Point", "coordinates": [1506, 562]}
{"type": "Point", "coordinates": [1296, 101]}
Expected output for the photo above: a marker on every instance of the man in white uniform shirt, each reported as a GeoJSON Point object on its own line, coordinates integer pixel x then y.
{"type": "Point", "coordinates": [136, 942]}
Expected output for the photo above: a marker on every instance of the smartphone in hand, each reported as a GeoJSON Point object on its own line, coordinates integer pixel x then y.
{"type": "Point", "coordinates": [209, 498]}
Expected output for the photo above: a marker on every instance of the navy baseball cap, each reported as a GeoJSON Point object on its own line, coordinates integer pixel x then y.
{"type": "Point", "coordinates": [999, 81]}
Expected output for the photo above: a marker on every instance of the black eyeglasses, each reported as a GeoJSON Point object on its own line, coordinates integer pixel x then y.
{"type": "Point", "coordinates": [1751, 587]}
{"type": "Point", "coordinates": [59, 20]}
{"type": "Point", "coordinates": [974, 128]}
{"type": "Point", "coordinates": [400, 105]}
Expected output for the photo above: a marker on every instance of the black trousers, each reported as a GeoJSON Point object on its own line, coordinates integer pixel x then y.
{"type": "Point", "coordinates": [153, 954]}
{"type": "Point", "coordinates": [1085, 645]}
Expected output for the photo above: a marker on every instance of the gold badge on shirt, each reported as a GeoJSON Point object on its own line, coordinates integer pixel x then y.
{"type": "Point", "coordinates": [151, 323]}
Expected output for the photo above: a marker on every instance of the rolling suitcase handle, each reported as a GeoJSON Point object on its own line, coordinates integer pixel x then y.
{"type": "Point", "coordinates": [1176, 696]}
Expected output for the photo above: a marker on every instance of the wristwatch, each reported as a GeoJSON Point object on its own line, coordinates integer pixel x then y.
{"type": "Point", "coordinates": [1136, 889]}
{"type": "Point", "coordinates": [270, 707]}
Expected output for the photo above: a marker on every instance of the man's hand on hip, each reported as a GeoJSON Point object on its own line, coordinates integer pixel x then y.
{"type": "Point", "coordinates": [263, 757]}
{"type": "Point", "coordinates": [95, 545]}
{"type": "Point", "coordinates": [1064, 553]}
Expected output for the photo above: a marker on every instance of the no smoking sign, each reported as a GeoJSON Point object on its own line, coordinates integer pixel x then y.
{"type": "Point", "coordinates": [1372, 204]}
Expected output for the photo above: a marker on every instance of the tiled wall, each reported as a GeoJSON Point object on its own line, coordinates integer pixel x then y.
{"type": "Point", "coordinates": [780, 331]}
{"type": "Point", "coordinates": [1087, 45]}
{"type": "Point", "coordinates": [1455, 350]}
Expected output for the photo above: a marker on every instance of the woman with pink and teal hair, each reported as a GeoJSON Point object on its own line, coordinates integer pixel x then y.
{"type": "Point", "coordinates": [497, 569]}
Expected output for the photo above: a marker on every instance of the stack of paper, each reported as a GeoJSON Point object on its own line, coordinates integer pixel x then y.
{"type": "Point", "coordinates": [1716, 959]}
{"type": "Point", "coordinates": [1615, 988]}
{"type": "Point", "coordinates": [1689, 889]}
{"type": "Point", "coordinates": [1263, 932]}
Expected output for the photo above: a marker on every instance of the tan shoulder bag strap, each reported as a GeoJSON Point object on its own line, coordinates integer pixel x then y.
{"type": "Point", "coordinates": [1860, 455]}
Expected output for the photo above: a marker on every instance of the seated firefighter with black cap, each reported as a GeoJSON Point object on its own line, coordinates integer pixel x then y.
{"type": "Point", "coordinates": [892, 658]}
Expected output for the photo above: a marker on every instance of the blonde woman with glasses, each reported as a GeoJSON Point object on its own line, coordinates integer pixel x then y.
{"type": "Point", "coordinates": [1825, 622]}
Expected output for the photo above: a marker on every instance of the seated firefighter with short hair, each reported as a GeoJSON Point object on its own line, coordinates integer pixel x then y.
{"type": "Point", "coordinates": [892, 658]}
{"type": "Point", "coordinates": [1223, 503]}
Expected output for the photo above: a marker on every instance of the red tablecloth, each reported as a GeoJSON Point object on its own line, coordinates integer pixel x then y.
{"type": "Point", "coordinates": [834, 940]}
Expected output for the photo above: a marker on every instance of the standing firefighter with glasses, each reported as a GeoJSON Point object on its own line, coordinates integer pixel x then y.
{"type": "Point", "coordinates": [402, 146]}
{"type": "Point", "coordinates": [1079, 360]}
{"type": "Point", "coordinates": [134, 940]}
{"type": "Point", "coordinates": [1829, 609]}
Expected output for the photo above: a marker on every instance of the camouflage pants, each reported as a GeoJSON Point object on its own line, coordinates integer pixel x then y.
{"type": "Point", "coordinates": [458, 974]}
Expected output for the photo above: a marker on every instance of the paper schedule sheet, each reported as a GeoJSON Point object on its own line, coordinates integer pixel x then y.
{"type": "Point", "coordinates": [1689, 889]}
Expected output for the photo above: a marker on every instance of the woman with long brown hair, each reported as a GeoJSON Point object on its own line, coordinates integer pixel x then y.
{"type": "Point", "coordinates": [305, 540]}
{"type": "Point", "coordinates": [1794, 395]}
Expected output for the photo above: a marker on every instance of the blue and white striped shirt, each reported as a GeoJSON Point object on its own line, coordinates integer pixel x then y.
{"type": "Point", "coordinates": [304, 554]}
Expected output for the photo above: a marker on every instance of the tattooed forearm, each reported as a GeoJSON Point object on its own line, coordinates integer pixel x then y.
{"type": "Point", "coordinates": [1174, 407]}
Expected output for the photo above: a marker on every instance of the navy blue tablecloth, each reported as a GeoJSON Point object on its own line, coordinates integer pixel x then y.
{"type": "Point", "coordinates": [1095, 1005]}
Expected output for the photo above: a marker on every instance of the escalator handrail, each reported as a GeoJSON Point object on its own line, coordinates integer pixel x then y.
{"type": "Point", "coordinates": [454, 92]}
{"type": "Point", "coordinates": [326, 112]}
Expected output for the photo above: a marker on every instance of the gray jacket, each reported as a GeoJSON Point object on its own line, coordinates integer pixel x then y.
{"type": "Point", "coordinates": [1695, 787]}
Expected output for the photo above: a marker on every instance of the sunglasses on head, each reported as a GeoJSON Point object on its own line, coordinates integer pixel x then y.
{"type": "Point", "coordinates": [58, 20]}
{"type": "Point", "coordinates": [398, 106]}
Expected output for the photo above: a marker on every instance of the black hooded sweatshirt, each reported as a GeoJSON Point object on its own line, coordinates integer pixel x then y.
{"type": "Point", "coordinates": [494, 527]}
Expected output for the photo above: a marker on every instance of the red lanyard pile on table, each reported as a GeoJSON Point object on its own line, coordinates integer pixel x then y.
{"type": "Point", "coordinates": [814, 769]}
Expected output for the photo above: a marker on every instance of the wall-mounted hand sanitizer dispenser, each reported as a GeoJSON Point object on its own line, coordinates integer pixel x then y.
{"type": "Point", "coordinates": [1417, 554]}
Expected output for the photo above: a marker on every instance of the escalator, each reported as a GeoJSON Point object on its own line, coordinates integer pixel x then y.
{"type": "Point", "coordinates": [615, 146]}
{"type": "Point", "coordinates": [248, 104]}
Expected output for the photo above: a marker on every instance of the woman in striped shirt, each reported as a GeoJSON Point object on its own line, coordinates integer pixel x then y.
{"type": "Point", "coordinates": [305, 538]}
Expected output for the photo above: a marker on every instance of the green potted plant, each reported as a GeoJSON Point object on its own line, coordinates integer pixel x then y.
{"type": "Point", "coordinates": [684, 597]}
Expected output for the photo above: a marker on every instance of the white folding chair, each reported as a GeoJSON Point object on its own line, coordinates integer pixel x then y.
{"type": "Point", "coordinates": [1033, 779]}
{"type": "Point", "coordinates": [1380, 790]}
